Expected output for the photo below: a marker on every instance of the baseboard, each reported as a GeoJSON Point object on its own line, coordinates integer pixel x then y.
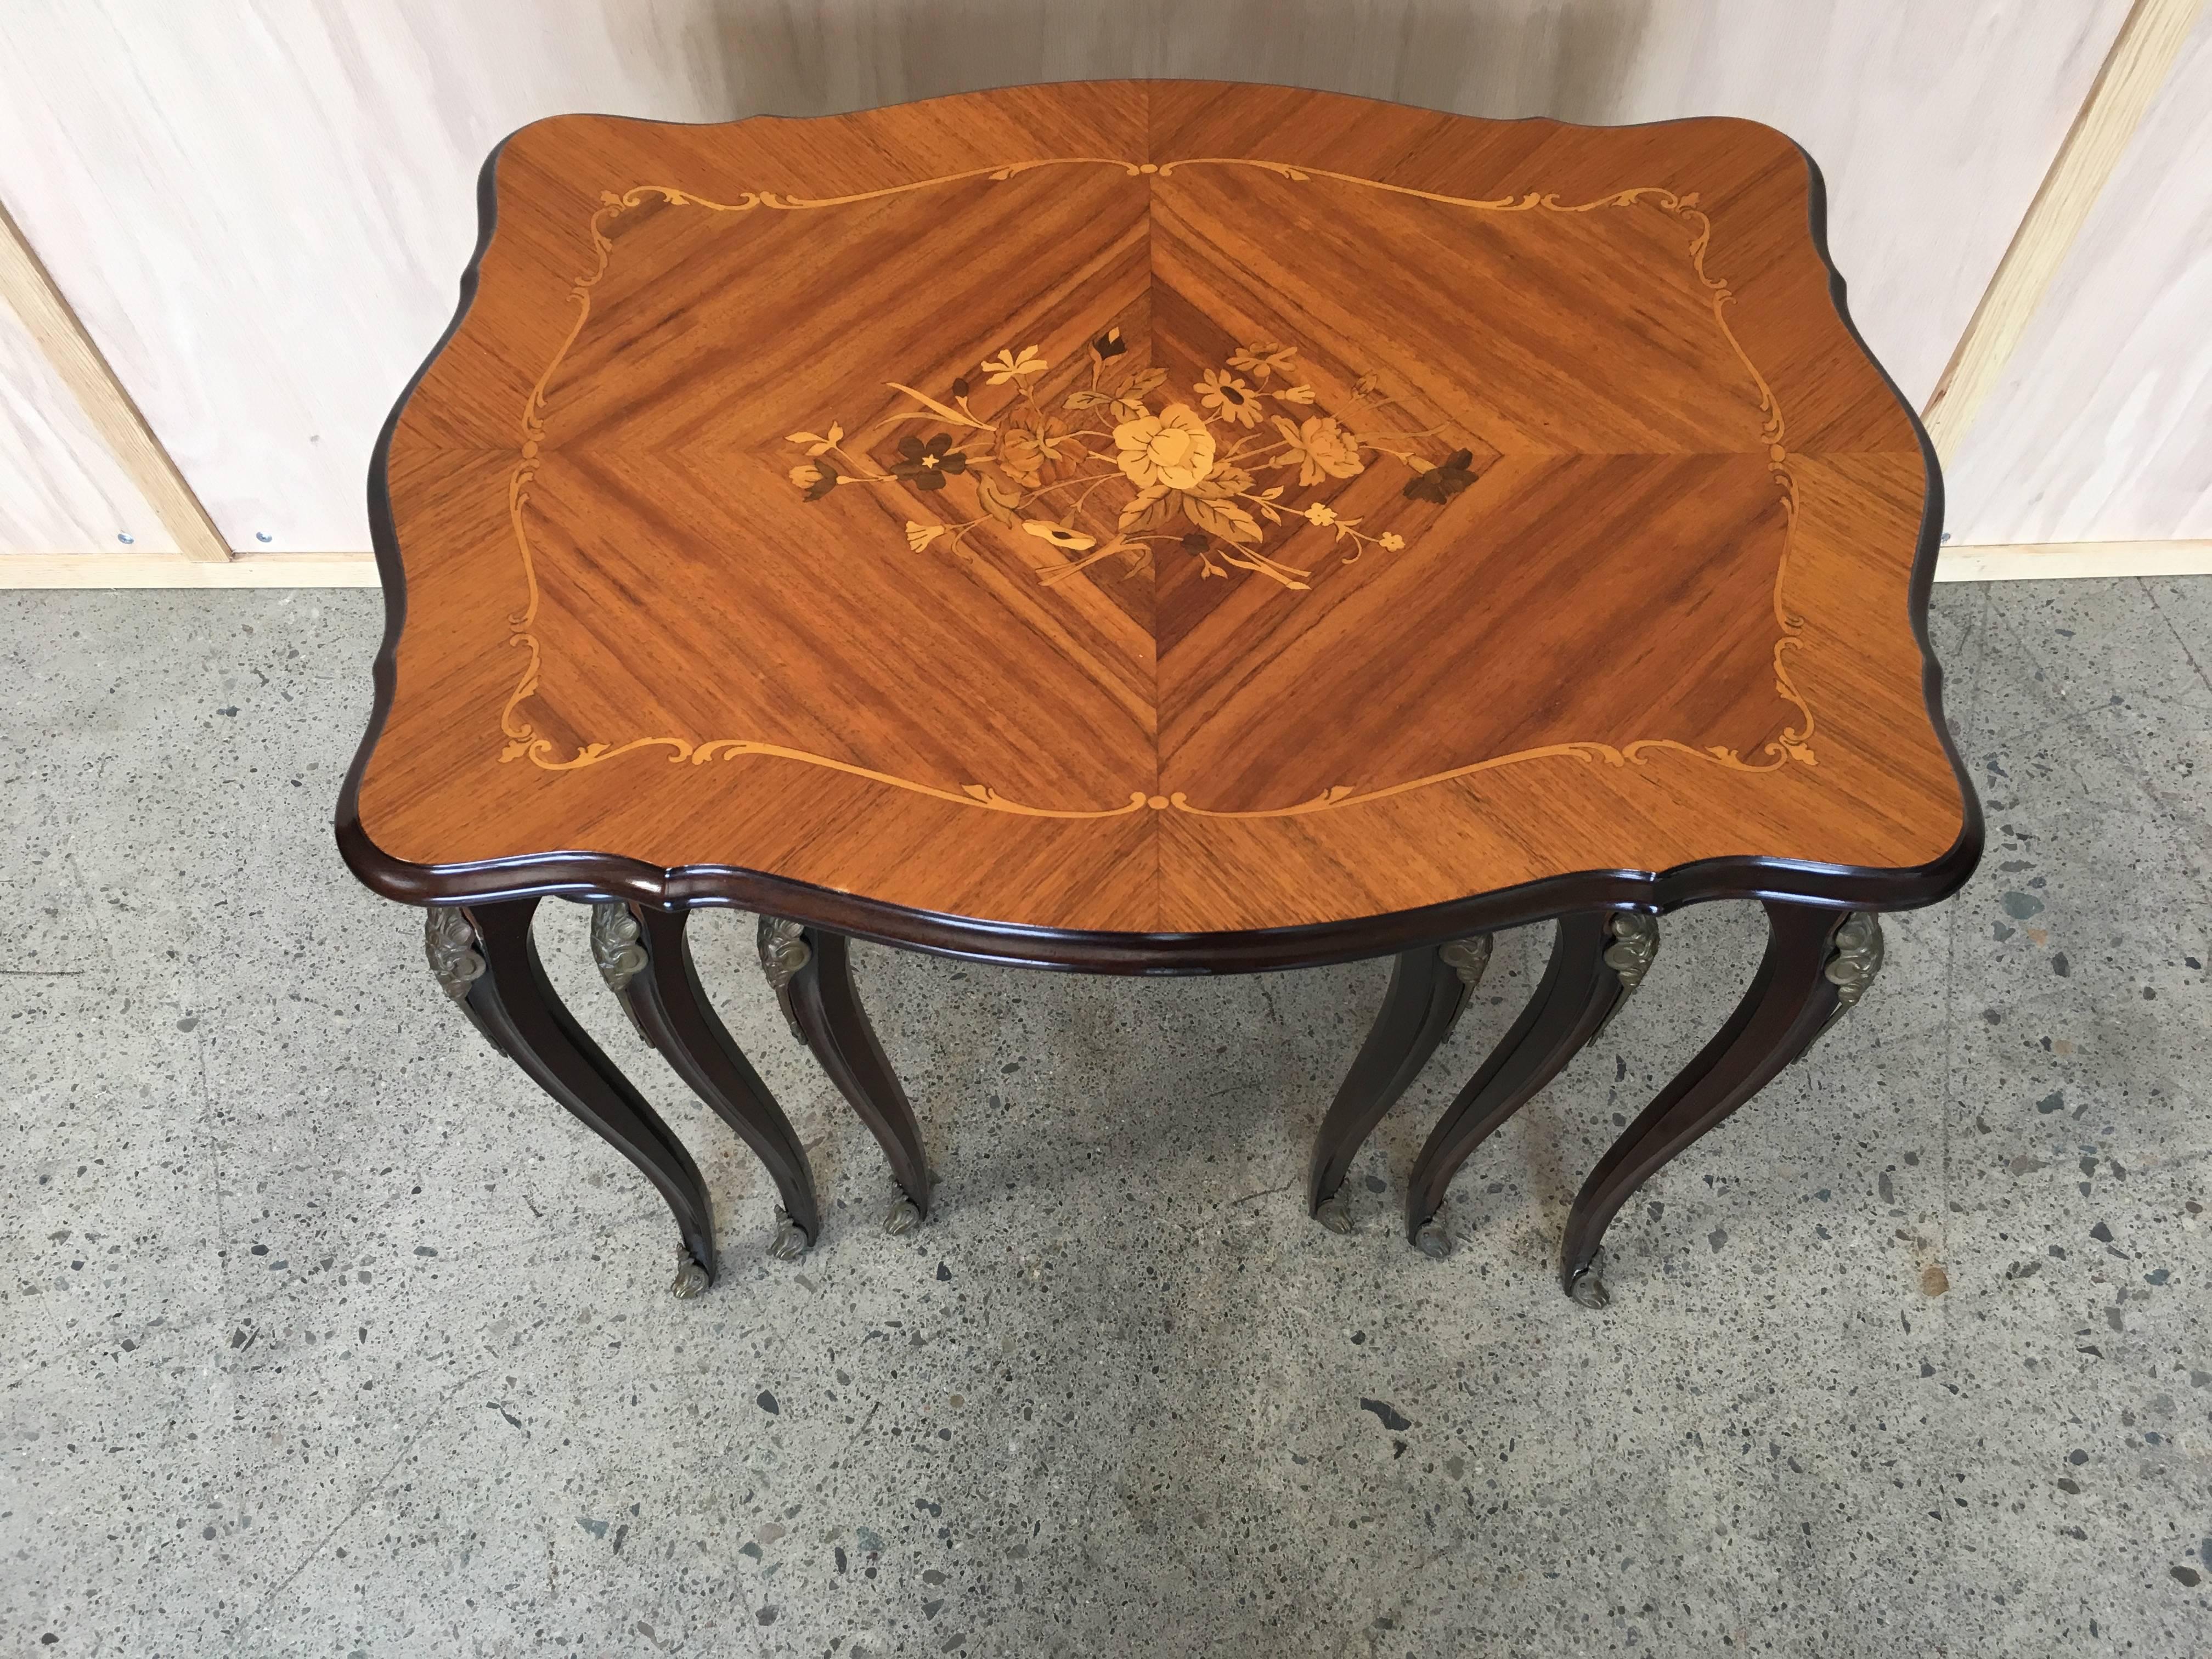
{"type": "Point", "coordinates": [2006, 561]}
{"type": "Point", "coordinates": [2045, 561]}
{"type": "Point", "coordinates": [175, 570]}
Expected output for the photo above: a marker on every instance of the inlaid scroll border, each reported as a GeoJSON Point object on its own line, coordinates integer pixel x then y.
{"type": "Point", "coordinates": [1793, 745]}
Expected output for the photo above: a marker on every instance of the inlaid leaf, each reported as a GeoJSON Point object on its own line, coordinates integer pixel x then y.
{"type": "Point", "coordinates": [819, 443]}
{"type": "Point", "coordinates": [942, 411]}
{"type": "Point", "coordinates": [1225, 518]}
{"type": "Point", "coordinates": [1148, 507]}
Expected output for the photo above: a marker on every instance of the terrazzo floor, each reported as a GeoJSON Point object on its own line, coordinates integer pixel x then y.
{"type": "Point", "coordinates": [324, 1334]}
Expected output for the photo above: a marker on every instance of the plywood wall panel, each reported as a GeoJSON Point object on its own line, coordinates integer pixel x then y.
{"type": "Point", "coordinates": [259, 207]}
{"type": "Point", "coordinates": [60, 489]}
{"type": "Point", "coordinates": [2100, 429]}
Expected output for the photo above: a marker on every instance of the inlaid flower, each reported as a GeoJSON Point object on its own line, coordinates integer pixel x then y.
{"type": "Point", "coordinates": [1007, 366]}
{"type": "Point", "coordinates": [1180, 475]}
{"type": "Point", "coordinates": [1441, 482]}
{"type": "Point", "coordinates": [1173, 447]}
{"type": "Point", "coordinates": [1228, 398]}
{"type": "Point", "coordinates": [1320, 447]}
{"type": "Point", "coordinates": [1073, 541]}
{"type": "Point", "coordinates": [925, 465]}
{"type": "Point", "coordinates": [1033, 448]}
{"type": "Point", "coordinates": [1263, 358]}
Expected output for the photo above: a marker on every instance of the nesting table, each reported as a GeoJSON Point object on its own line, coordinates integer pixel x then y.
{"type": "Point", "coordinates": [1155, 528]}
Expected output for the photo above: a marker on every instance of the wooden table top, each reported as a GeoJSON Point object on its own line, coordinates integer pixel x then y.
{"type": "Point", "coordinates": [1154, 508]}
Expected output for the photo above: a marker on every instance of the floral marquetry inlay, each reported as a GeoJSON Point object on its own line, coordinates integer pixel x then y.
{"type": "Point", "coordinates": [1210, 470]}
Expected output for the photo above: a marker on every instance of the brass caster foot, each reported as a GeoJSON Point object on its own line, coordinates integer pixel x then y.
{"type": "Point", "coordinates": [690, 1279]}
{"type": "Point", "coordinates": [1335, 1214]}
{"type": "Point", "coordinates": [790, 1241]}
{"type": "Point", "coordinates": [1433, 1241]}
{"type": "Point", "coordinates": [1587, 1288]}
{"type": "Point", "coordinates": [903, 1216]}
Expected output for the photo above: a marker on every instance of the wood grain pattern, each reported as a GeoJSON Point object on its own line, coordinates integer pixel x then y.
{"type": "Point", "coordinates": [2134, 71]}
{"type": "Point", "coordinates": [272, 288]}
{"type": "Point", "coordinates": [1671, 620]}
{"type": "Point", "coordinates": [2096, 430]}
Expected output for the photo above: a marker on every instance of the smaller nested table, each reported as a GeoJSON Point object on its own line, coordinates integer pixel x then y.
{"type": "Point", "coordinates": [1153, 528]}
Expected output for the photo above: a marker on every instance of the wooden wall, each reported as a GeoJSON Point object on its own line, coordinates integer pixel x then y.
{"type": "Point", "coordinates": [260, 208]}
{"type": "Point", "coordinates": [59, 486]}
{"type": "Point", "coordinates": [2100, 429]}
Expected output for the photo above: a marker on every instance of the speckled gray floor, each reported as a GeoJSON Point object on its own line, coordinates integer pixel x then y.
{"type": "Point", "coordinates": [324, 1333]}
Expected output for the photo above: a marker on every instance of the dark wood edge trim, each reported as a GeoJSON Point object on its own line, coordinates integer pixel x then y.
{"type": "Point", "coordinates": [363, 856]}
{"type": "Point", "coordinates": [1966, 852]}
{"type": "Point", "coordinates": [600, 876]}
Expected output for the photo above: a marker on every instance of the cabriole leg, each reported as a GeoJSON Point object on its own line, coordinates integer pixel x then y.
{"type": "Point", "coordinates": [645, 957]}
{"type": "Point", "coordinates": [1597, 958]}
{"type": "Point", "coordinates": [485, 958]}
{"type": "Point", "coordinates": [1428, 989]}
{"type": "Point", "coordinates": [1812, 955]}
{"type": "Point", "coordinates": [811, 971]}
